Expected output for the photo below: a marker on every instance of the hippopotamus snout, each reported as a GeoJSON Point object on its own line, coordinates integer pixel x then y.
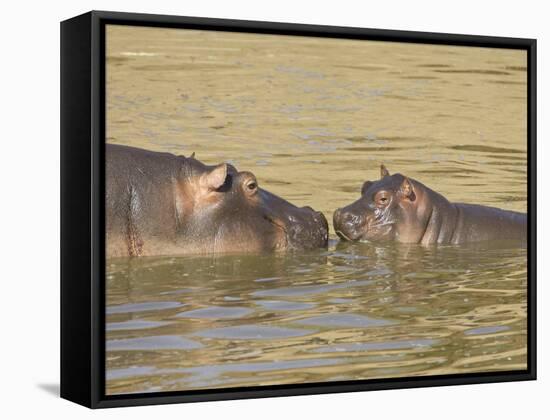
{"type": "Point", "coordinates": [348, 224]}
{"type": "Point", "coordinates": [307, 229]}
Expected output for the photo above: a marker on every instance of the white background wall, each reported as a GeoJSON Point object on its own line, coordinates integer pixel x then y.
{"type": "Point", "coordinates": [29, 210]}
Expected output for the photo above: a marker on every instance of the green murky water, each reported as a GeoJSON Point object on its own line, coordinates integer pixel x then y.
{"type": "Point", "coordinates": [313, 119]}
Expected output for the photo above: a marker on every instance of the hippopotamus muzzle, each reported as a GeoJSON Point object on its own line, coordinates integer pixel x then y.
{"type": "Point", "coordinates": [348, 225]}
{"type": "Point", "coordinates": [308, 229]}
{"type": "Point", "coordinates": [303, 227]}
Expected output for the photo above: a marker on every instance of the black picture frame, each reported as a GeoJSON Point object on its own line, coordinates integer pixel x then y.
{"type": "Point", "coordinates": [82, 207]}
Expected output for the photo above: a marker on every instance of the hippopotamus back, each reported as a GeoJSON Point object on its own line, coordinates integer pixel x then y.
{"type": "Point", "coordinates": [139, 198]}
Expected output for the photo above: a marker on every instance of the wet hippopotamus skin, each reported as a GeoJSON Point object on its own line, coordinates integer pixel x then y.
{"type": "Point", "coordinates": [398, 208]}
{"type": "Point", "coordinates": [162, 204]}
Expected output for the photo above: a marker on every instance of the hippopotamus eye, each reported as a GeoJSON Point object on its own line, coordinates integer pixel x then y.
{"type": "Point", "coordinates": [251, 186]}
{"type": "Point", "coordinates": [382, 198]}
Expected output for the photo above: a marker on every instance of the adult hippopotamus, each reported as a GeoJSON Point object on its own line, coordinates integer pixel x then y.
{"type": "Point", "coordinates": [398, 208]}
{"type": "Point", "coordinates": [162, 204]}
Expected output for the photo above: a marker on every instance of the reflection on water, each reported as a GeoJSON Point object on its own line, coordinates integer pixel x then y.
{"type": "Point", "coordinates": [394, 311]}
{"type": "Point", "coordinates": [313, 118]}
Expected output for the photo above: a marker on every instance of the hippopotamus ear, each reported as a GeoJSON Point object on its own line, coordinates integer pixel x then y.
{"type": "Point", "coordinates": [365, 187]}
{"type": "Point", "coordinates": [407, 189]}
{"type": "Point", "coordinates": [215, 178]}
{"type": "Point", "coordinates": [383, 171]}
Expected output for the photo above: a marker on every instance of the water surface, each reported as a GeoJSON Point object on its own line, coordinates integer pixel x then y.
{"type": "Point", "coordinates": [313, 118]}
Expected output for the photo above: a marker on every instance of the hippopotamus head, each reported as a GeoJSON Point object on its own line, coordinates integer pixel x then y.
{"type": "Point", "coordinates": [384, 208]}
{"type": "Point", "coordinates": [226, 210]}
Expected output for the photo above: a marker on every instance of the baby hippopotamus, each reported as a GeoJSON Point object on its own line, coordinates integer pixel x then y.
{"type": "Point", "coordinates": [162, 204]}
{"type": "Point", "coordinates": [398, 208]}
